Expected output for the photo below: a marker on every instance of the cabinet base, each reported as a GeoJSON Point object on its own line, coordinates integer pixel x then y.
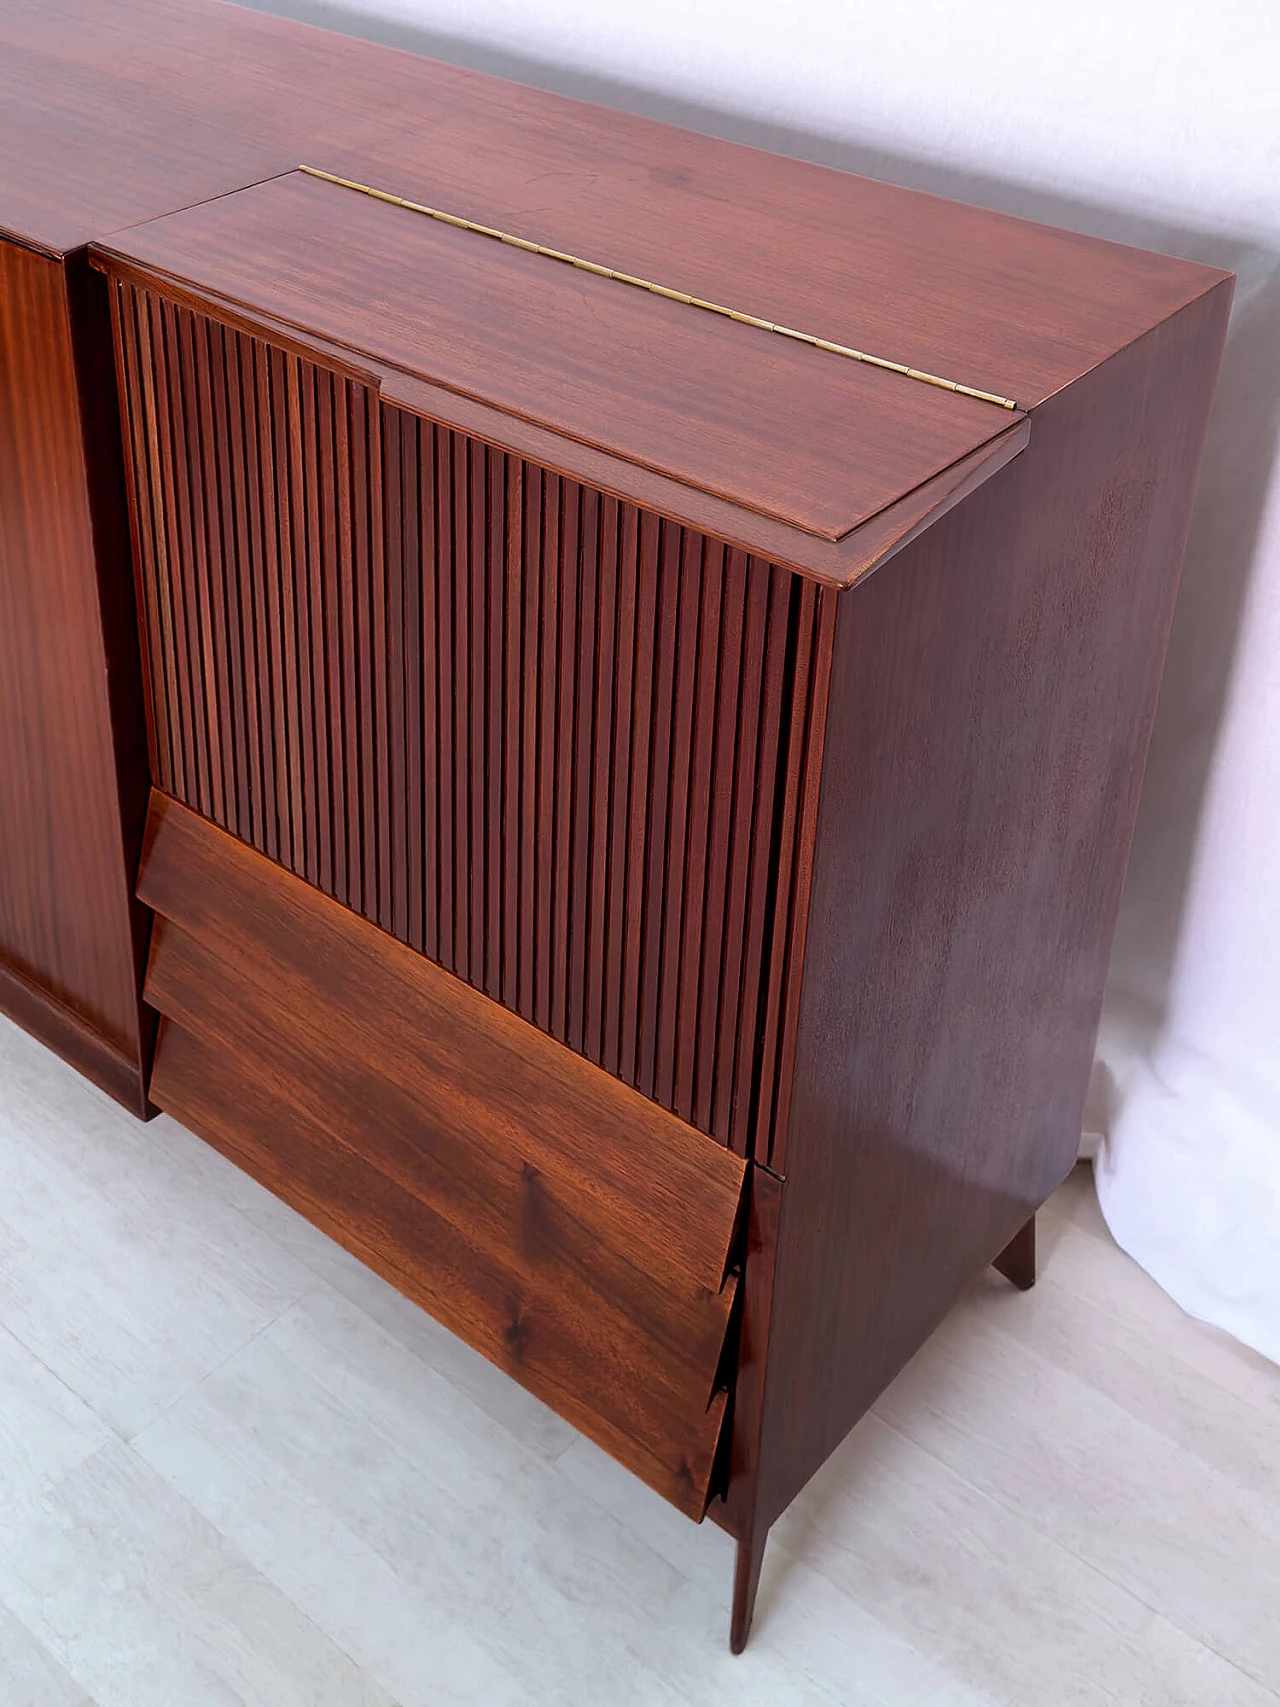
{"type": "Point", "coordinates": [71, 1037]}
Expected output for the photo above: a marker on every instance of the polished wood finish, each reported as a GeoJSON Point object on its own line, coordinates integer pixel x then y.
{"type": "Point", "coordinates": [64, 1030]}
{"type": "Point", "coordinates": [739, 1510]}
{"type": "Point", "coordinates": [992, 697]}
{"type": "Point", "coordinates": [670, 387]}
{"type": "Point", "coordinates": [643, 807]}
{"type": "Point", "coordinates": [834, 880]}
{"type": "Point", "coordinates": [747, 1560]}
{"type": "Point", "coordinates": [836, 563]}
{"type": "Point", "coordinates": [555, 743]}
{"type": "Point", "coordinates": [564, 1225]}
{"type": "Point", "coordinates": [113, 114]}
{"type": "Point", "coordinates": [71, 937]}
{"type": "Point", "coordinates": [121, 113]}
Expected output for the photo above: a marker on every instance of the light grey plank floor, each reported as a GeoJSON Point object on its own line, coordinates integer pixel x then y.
{"type": "Point", "coordinates": [235, 1467]}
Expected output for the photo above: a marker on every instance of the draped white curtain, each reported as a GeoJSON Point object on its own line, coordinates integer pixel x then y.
{"type": "Point", "coordinates": [1187, 1093]}
{"type": "Point", "coordinates": [1152, 122]}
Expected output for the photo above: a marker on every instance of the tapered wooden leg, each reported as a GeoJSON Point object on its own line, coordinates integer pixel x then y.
{"type": "Point", "coordinates": [746, 1580]}
{"type": "Point", "coordinates": [1017, 1261]}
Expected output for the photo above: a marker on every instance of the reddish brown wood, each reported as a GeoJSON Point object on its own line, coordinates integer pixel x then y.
{"type": "Point", "coordinates": [748, 1559]}
{"type": "Point", "coordinates": [739, 1512]}
{"type": "Point", "coordinates": [513, 712]}
{"type": "Point", "coordinates": [439, 714]}
{"type": "Point", "coordinates": [184, 101]}
{"type": "Point", "coordinates": [686, 642]}
{"type": "Point", "coordinates": [172, 426]}
{"type": "Point", "coordinates": [493, 590]}
{"type": "Point", "coordinates": [69, 1035]}
{"type": "Point", "coordinates": [561, 738]}
{"type": "Point", "coordinates": [269, 616]}
{"type": "Point", "coordinates": [648, 584]}
{"type": "Point", "coordinates": [687, 948]}
{"type": "Point", "coordinates": [569, 1229]}
{"type": "Point", "coordinates": [687, 771]}
{"type": "Point", "coordinates": [691, 395]}
{"type": "Point", "coordinates": [213, 887]}
{"type": "Point", "coordinates": [586, 570]}
{"type": "Point", "coordinates": [981, 798]}
{"type": "Point", "coordinates": [418, 784]}
{"type": "Point", "coordinates": [759, 753]}
{"type": "Point", "coordinates": [218, 441]}
{"type": "Point", "coordinates": [516, 631]}
{"type": "Point", "coordinates": [530, 775]}
{"type": "Point", "coordinates": [157, 656]}
{"type": "Point", "coordinates": [455, 550]}
{"type": "Point", "coordinates": [152, 425]}
{"type": "Point", "coordinates": [661, 740]}
{"type": "Point", "coordinates": [294, 519]}
{"type": "Point", "coordinates": [603, 784]}
{"type": "Point", "coordinates": [789, 961]}
{"type": "Point", "coordinates": [1017, 1261]}
{"type": "Point", "coordinates": [71, 939]}
{"type": "Point", "coordinates": [837, 564]}
{"type": "Point", "coordinates": [614, 953]}
{"type": "Point", "coordinates": [545, 555]}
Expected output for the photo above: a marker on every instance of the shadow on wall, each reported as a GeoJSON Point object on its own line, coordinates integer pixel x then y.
{"type": "Point", "coordinates": [1237, 469]}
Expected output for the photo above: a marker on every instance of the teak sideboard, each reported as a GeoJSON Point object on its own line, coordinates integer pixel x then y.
{"type": "Point", "coordinates": [572, 697]}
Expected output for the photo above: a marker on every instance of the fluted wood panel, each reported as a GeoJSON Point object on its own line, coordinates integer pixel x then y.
{"type": "Point", "coordinates": [561, 746]}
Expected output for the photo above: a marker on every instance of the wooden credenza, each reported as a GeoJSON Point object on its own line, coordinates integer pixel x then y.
{"type": "Point", "coordinates": [640, 779]}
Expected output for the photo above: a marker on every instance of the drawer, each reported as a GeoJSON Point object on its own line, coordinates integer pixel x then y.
{"type": "Point", "coordinates": [567, 1227]}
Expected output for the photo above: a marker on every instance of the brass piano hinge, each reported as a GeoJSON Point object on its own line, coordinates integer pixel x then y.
{"type": "Point", "coordinates": [662, 290]}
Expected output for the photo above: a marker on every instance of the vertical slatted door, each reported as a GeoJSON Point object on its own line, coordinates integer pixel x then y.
{"type": "Point", "coordinates": [558, 744]}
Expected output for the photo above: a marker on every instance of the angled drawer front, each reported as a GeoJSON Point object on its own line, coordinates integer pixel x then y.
{"type": "Point", "coordinates": [573, 1232]}
{"type": "Point", "coordinates": [564, 748]}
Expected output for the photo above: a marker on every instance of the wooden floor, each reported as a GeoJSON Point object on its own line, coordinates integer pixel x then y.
{"type": "Point", "coordinates": [237, 1468]}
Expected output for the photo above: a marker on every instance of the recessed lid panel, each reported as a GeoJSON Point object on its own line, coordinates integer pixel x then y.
{"type": "Point", "coordinates": [777, 427]}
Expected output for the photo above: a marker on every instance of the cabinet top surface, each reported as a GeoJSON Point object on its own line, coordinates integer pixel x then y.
{"type": "Point", "coordinates": [114, 112]}
{"type": "Point", "coordinates": [806, 436]}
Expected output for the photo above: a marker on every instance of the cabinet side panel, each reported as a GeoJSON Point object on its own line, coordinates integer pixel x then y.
{"type": "Point", "coordinates": [991, 702]}
{"type": "Point", "coordinates": [68, 674]}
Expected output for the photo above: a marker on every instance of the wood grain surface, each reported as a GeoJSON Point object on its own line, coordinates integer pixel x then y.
{"type": "Point", "coordinates": [555, 743]}
{"type": "Point", "coordinates": [810, 438]}
{"type": "Point", "coordinates": [119, 114]}
{"type": "Point", "coordinates": [114, 114]}
{"type": "Point", "coordinates": [991, 702]}
{"type": "Point", "coordinates": [836, 563]}
{"type": "Point", "coordinates": [482, 640]}
{"type": "Point", "coordinates": [561, 1223]}
{"type": "Point", "coordinates": [839, 563]}
{"type": "Point", "coordinates": [71, 938]}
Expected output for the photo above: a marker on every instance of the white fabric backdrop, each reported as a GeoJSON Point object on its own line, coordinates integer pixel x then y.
{"type": "Point", "coordinates": [1155, 122]}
